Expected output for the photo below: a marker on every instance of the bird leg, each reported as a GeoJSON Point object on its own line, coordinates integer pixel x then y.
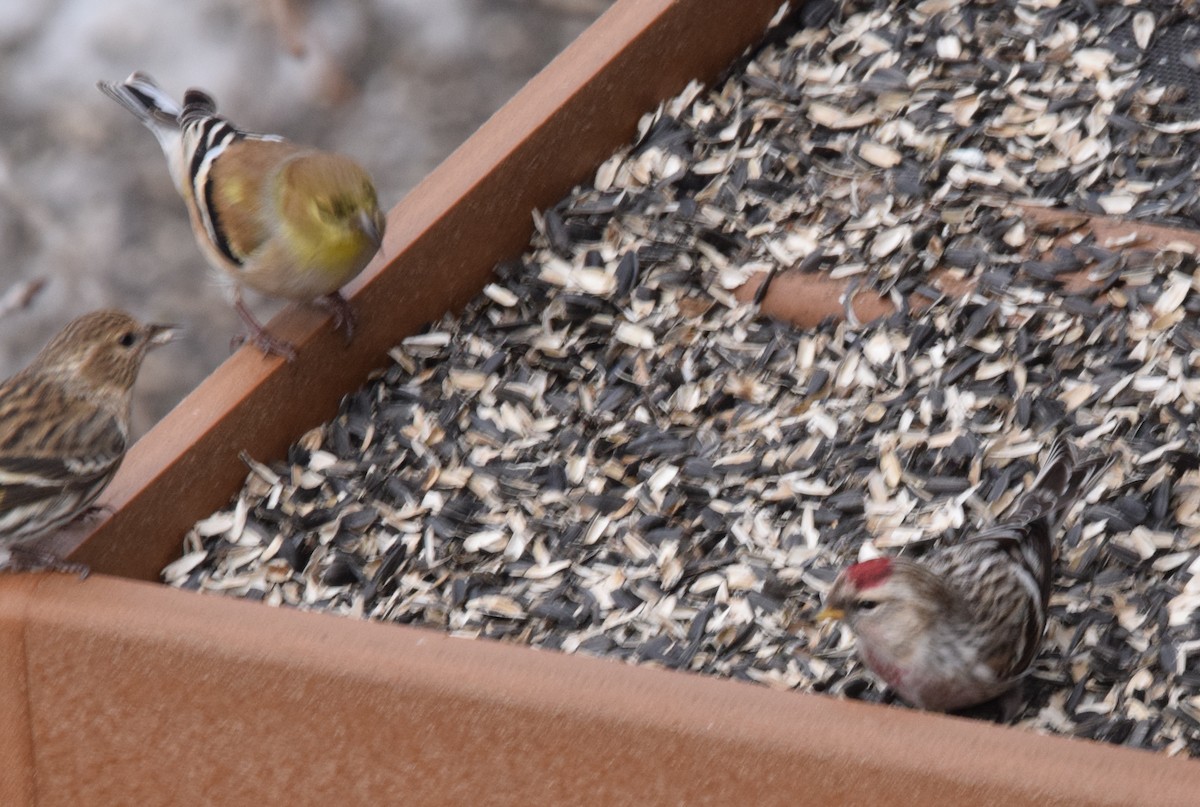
{"type": "Point", "coordinates": [339, 308]}
{"type": "Point", "coordinates": [95, 512]}
{"type": "Point", "coordinates": [258, 335]}
{"type": "Point", "coordinates": [1004, 708]}
{"type": "Point", "coordinates": [23, 558]}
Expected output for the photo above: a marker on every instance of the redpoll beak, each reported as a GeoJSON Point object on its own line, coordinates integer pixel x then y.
{"type": "Point", "coordinates": [830, 613]}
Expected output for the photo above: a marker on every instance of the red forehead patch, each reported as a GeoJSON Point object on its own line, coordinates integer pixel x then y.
{"type": "Point", "coordinates": [870, 573]}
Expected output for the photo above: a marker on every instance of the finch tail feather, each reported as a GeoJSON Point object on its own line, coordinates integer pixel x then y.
{"type": "Point", "coordinates": [142, 96]}
{"type": "Point", "coordinates": [157, 111]}
{"type": "Point", "coordinates": [1064, 477]}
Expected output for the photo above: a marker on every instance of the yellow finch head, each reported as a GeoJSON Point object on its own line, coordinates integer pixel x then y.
{"type": "Point", "coordinates": [330, 213]}
{"type": "Point", "coordinates": [98, 355]}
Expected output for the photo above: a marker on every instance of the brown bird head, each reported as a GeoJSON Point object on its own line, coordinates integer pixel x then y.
{"type": "Point", "coordinates": [98, 355]}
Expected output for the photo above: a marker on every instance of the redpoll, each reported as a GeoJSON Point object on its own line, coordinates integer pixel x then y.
{"type": "Point", "coordinates": [285, 220]}
{"type": "Point", "coordinates": [64, 427]}
{"type": "Point", "coordinates": [959, 626]}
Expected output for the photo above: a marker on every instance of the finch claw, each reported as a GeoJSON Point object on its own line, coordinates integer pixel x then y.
{"type": "Point", "coordinates": [273, 347]}
{"type": "Point", "coordinates": [343, 315]}
{"type": "Point", "coordinates": [260, 338]}
{"type": "Point", "coordinates": [95, 512]}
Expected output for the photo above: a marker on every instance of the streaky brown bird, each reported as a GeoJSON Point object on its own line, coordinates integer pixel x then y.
{"type": "Point", "coordinates": [64, 429]}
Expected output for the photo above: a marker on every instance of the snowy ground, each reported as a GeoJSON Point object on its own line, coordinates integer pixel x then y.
{"type": "Point", "coordinates": [85, 200]}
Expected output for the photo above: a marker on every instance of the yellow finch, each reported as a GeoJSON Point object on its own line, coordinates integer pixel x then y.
{"type": "Point", "coordinates": [64, 427]}
{"type": "Point", "coordinates": [284, 220]}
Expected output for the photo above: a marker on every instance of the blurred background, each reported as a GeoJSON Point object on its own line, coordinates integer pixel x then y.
{"type": "Point", "coordinates": [87, 205]}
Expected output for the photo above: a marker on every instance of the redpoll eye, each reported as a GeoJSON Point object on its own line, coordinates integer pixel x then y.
{"type": "Point", "coordinates": [866, 605]}
{"type": "Point", "coordinates": [127, 339]}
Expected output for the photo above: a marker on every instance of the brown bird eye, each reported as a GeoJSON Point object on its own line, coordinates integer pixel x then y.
{"type": "Point", "coordinates": [866, 605]}
{"type": "Point", "coordinates": [127, 339]}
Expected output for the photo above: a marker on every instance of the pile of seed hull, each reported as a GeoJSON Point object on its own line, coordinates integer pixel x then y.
{"type": "Point", "coordinates": [606, 453]}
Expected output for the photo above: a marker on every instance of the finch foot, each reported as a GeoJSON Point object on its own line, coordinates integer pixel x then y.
{"type": "Point", "coordinates": [259, 337]}
{"type": "Point", "coordinates": [1005, 708]}
{"type": "Point", "coordinates": [31, 559]}
{"type": "Point", "coordinates": [268, 344]}
{"type": "Point", "coordinates": [95, 512]}
{"type": "Point", "coordinates": [339, 308]}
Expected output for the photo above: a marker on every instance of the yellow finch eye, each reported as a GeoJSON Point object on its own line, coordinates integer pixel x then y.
{"type": "Point", "coordinates": [334, 209]}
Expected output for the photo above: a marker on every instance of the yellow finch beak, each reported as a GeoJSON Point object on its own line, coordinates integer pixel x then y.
{"type": "Point", "coordinates": [371, 227]}
{"type": "Point", "coordinates": [162, 334]}
{"type": "Point", "coordinates": [830, 613]}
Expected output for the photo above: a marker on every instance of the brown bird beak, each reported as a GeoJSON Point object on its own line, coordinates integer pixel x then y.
{"type": "Point", "coordinates": [161, 334]}
{"type": "Point", "coordinates": [830, 613]}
